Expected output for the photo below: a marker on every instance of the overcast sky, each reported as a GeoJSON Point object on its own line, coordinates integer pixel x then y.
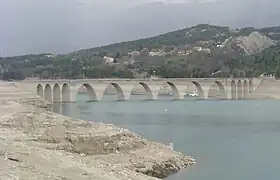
{"type": "Point", "coordinates": [36, 26]}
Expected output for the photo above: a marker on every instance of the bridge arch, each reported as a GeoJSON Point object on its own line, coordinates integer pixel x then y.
{"type": "Point", "coordinates": [56, 93]}
{"type": "Point", "coordinates": [121, 96]}
{"type": "Point", "coordinates": [239, 89]}
{"type": "Point", "coordinates": [250, 86]}
{"type": "Point", "coordinates": [175, 91]}
{"type": "Point", "coordinates": [245, 88]}
{"type": "Point", "coordinates": [48, 93]}
{"type": "Point", "coordinates": [221, 89]}
{"type": "Point", "coordinates": [233, 89]}
{"type": "Point", "coordinates": [148, 90]}
{"type": "Point", "coordinates": [199, 89]}
{"type": "Point", "coordinates": [65, 92]}
{"type": "Point", "coordinates": [40, 90]}
{"type": "Point", "coordinates": [90, 91]}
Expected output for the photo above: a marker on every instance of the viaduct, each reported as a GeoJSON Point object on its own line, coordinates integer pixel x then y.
{"type": "Point", "coordinates": [61, 90]}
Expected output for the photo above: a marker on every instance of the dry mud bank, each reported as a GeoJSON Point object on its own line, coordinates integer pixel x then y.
{"type": "Point", "coordinates": [38, 144]}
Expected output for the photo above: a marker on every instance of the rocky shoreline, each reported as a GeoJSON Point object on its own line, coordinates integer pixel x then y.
{"type": "Point", "coordinates": [38, 144]}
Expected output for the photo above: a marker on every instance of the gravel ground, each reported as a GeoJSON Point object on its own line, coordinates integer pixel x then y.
{"type": "Point", "coordinates": [38, 144]}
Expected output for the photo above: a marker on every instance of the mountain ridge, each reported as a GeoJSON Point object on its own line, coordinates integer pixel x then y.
{"type": "Point", "coordinates": [272, 32]}
{"type": "Point", "coordinates": [197, 51]}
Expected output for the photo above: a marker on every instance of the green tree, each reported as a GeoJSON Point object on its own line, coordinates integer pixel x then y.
{"type": "Point", "coordinates": [13, 75]}
{"type": "Point", "coordinates": [118, 55]}
{"type": "Point", "coordinates": [102, 54]}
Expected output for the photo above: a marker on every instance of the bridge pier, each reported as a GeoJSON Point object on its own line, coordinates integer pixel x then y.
{"type": "Point", "coordinates": [204, 92]}
{"type": "Point", "coordinates": [72, 96]}
{"type": "Point", "coordinates": [124, 91]}
{"type": "Point", "coordinates": [179, 92]}
{"type": "Point", "coordinates": [152, 90]}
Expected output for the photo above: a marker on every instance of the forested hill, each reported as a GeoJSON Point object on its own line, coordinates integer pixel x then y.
{"type": "Point", "coordinates": [198, 51]}
{"type": "Point", "coordinates": [191, 35]}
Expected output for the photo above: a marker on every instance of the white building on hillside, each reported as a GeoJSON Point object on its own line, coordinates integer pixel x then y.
{"type": "Point", "coordinates": [108, 60]}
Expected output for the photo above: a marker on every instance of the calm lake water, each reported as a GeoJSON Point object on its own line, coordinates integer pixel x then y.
{"type": "Point", "coordinates": [230, 140]}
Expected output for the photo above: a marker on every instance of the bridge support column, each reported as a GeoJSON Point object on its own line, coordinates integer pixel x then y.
{"type": "Point", "coordinates": [153, 95]}
{"type": "Point", "coordinates": [69, 93]}
{"type": "Point", "coordinates": [205, 92]}
{"type": "Point", "coordinates": [72, 95]}
{"type": "Point", "coordinates": [231, 92]}
{"type": "Point", "coordinates": [99, 91]}
{"type": "Point", "coordinates": [125, 96]}
{"type": "Point", "coordinates": [126, 89]}
{"type": "Point", "coordinates": [245, 90]}
{"type": "Point", "coordinates": [180, 95]}
{"type": "Point", "coordinates": [99, 95]}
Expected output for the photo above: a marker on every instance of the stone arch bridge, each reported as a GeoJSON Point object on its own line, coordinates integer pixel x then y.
{"type": "Point", "coordinates": [66, 90]}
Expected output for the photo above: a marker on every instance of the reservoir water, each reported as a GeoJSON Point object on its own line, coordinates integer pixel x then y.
{"type": "Point", "coordinates": [229, 139]}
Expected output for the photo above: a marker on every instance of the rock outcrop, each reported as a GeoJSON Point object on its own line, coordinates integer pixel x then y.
{"type": "Point", "coordinates": [254, 43]}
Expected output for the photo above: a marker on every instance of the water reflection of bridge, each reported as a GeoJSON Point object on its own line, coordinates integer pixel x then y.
{"type": "Point", "coordinates": [66, 90]}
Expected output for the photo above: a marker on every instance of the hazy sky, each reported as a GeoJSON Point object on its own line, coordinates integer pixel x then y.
{"type": "Point", "coordinates": [36, 26]}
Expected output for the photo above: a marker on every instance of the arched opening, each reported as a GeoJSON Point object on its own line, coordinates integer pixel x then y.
{"type": "Point", "coordinates": [239, 89]}
{"type": "Point", "coordinates": [146, 87]}
{"type": "Point", "coordinates": [175, 92]}
{"type": "Point", "coordinates": [141, 91]}
{"type": "Point", "coordinates": [48, 93]}
{"type": "Point", "coordinates": [199, 89]}
{"type": "Point", "coordinates": [250, 86]}
{"type": "Point", "coordinates": [86, 93]}
{"type": "Point", "coordinates": [233, 89]}
{"type": "Point", "coordinates": [65, 93]}
{"type": "Point", "coordinates": [40, 90]}
{"type": "Point", "coordinates": [56, 93]}
{"type": "Point", "coordinates": [119, 91]}
{"type": "Point", "coordinates": [164, 91]}
{"type": "Point", "coordinates": [245, 89]}
{"type": "Point", "coordinates": [114, 92]}
{"type": "Point", "coordinates": [217, 91]}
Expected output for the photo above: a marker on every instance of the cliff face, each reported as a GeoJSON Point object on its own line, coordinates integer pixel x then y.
{"type": "Point", "coordinates": [254, 43]}
{"type": "Point", "coordinates": [37, 144]}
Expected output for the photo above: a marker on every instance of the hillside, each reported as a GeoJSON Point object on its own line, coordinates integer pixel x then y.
{"type": "Point", "coordinates": [192, 35]}
{"type": "Point", "coordinates": [197, 51]}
